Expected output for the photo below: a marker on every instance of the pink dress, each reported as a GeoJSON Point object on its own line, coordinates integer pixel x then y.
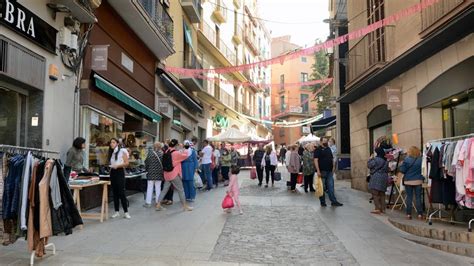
{"type": "Point", "coordinates": [234, 186]}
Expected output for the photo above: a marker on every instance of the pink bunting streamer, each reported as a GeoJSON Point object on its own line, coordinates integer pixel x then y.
{"type": "Point", "coordinates": [310, 50]}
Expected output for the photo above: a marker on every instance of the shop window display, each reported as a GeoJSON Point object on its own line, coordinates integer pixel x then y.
{"type": "Point", "coordinates": [458, 115]}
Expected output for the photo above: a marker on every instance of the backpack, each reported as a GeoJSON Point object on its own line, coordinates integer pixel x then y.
{"type": "Point", "coordinates": [167, 161]}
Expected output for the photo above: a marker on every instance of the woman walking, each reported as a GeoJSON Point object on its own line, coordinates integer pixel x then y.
{"type": "Point", "coordinates": [413, 180]}
{"type": "Point", "coordinates": [226, 162]}
{"type": "Point", "coordinates": [293, 166]}
{"type": "Point", "coordinates": [308, 167]}
{"type": "Point", "coordinates": [257, 160]}
{"type": "Point", "coordinates": [154, 176]}
{"type": "Point", "coordinates": [189, 167]}
{"type": "Point", "coordinates": [173, 173]}
{"type": "Point", "coordinates": [118, 158]}
{"type": "Point", "coordinates": [378, 166]}
{"type": "Point", "coordinates": [269, 162]}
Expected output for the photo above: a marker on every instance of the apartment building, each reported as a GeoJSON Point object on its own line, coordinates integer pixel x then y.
{"type": "Point", "coordinates": [221, 36]}
{"type": "Point", "coordinates": [412, 78]}
{"type": "Point", "coordinates": [290, 103]}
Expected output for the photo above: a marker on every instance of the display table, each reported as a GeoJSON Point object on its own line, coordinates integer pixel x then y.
{"type": "Point", "coordinates": [104, 211]}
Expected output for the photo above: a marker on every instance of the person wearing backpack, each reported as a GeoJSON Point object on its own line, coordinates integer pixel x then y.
{"type": "Point", "coordinates": [154, 176]}
{"type": "Point", "coordinates": [173, 173]}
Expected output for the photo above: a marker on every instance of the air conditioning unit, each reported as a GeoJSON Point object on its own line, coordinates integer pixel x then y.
{"type": "Point", "coordinates": [95, 3]}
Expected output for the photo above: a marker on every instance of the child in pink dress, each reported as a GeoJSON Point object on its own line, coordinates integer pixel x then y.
{"type": "Point", "coordinates": [233, 189]}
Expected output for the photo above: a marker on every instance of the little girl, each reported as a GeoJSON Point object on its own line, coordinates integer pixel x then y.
{"type": "Point", "coordinates": [233, 189]}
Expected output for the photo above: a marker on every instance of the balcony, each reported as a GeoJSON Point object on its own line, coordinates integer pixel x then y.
{"type": "Point", "coordinates": [192, 8]}
{"type": "Point", "coordinates": [192, 62]}
{"type": "Point", "coordinates": [77, 8]}
{"type": "Point", "coordinates": [369, 54]}
{"type": "Point", "coordinates": [441, 12]}
{"type": "Point", "coordinates": [150, 21]}
{"type": "Point", "coordinates": [220, 13]}
{"type": "Point", "coordinates": [237, 38]}
{"type": "Point", "coordinates": [227, 52]}
{"type": "Point", "coordinates": [243, 109]}
{"type": "Point", "coordinates": [211, 36]}
{"type": "Point", "coordinates": [214, 89]}
{"type": "Point", "coordinates": [251, 41]}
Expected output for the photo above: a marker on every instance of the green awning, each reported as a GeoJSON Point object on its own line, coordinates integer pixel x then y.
{"type": "Point", "coordinates": [123, 97]}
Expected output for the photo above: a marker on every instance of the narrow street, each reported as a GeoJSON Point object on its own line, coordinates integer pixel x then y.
{"type": "Point", "coordinates": [276, 228]}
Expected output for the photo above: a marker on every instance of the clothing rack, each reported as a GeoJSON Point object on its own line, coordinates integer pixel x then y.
{"type": "Point", "coordinates": [439, 209]}
{"type": "Point", "coordinates": [14, 149]}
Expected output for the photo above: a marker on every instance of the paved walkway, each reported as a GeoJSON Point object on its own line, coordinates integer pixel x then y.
{"type": "Point", "coordinates": [277, 227]}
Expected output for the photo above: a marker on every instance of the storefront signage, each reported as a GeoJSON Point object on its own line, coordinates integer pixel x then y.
{"type": "Point", "coordinates": [306, 130]}
{"type": "Point", "coordinates": [296, 109]}
{"type": "Point", "coordinates": [446, 114]}
{"type": "Point", "coordinates": [394, 98]}
{"type": "Point", "coordinates": [220, 121]}
{"type": "Point", "coordinates": [19, 19]}
{"type": "Point", "coordinates": [163, 105]}
{"type": "Point", "coordinates": [99, 55]}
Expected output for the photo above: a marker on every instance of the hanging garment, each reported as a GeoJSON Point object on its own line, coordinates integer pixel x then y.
{"type": "Point", "coordinates": [3, 171]}
{"type": "Point", "coordinates": [66, 217]}
{"type": "Point", "coordinates": [46, 229]}
{"type": "Point", "coordinates": [11, 193]}
{"type": "Point", "coordinates": [24, 190]}
{"type": "Point", "coordinates": [461, 170]}
{"type": "Point", "coordinates": [448, 159]}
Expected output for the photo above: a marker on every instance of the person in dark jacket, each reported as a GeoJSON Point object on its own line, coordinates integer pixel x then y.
{"type": "Point", "coordinates": [413, 180]}
{"type": "Point", "coordinates": [378, 166]}
{"type": "Point", "coordinates": [282, 154]}
{"type": "Point", "coordinates": [75, 157]}
{"type": "Point", "coordinates": [257, 160]}
{"type": "Point", "coordinates": [154, 176]}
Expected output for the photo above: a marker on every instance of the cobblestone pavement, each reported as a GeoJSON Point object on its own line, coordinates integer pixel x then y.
{"type": "Point", "coordinates": [251, 188]}
{"type": "Point", "coordinates": [280, 235]}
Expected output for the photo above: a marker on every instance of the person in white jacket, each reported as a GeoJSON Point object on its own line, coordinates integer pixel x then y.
{"type": "Point", "coordinates": [270, 162]}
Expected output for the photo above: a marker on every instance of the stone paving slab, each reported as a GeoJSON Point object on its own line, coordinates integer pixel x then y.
{"type": "Point", "coordinates": [271, 235]}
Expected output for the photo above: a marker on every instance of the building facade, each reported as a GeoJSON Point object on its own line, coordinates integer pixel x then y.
{"type": "Point", "coordinates": [412, 78]}
{"type": "Point", "coordinates": [40, 48]}
{"type": "Point", "coordinates": [290, 103]}
{"type": "Point", "coordinates": [118, 83]}
{"type": "Point", "coordinates": [222, 42]}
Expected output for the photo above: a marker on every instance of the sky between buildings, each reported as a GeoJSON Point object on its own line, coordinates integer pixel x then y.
{"type": "Point", "coordinates": [296, 11]}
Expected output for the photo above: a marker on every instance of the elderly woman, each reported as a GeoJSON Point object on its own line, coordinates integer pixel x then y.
{"type": "Point", "coordinates": [294, 166]}
{"type": "Point", "coordinates": [413, 180]}
{"type": "Point", "coordinates": [378, 166]}
{"type": "Point", "coordinates": [189, 167]}
{"type": "Point", "coordinates": [308, 167]}
{"type": "Point", "coordinates": [154, 168]}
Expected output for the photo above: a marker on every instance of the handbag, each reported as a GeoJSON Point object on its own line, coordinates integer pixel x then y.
{"type": "Point", "coordinates": [228, 202]}
{"type": "Point", "coordinates": [253, 173]}
{"type": "Point", "coordinates": [277, 176]}
{"type": "Point", "coordinates": [299, 179]}
{"type": "Point", "coordinates": [318, 186]}
{"type": "Point", "coordinates": [198, 181]}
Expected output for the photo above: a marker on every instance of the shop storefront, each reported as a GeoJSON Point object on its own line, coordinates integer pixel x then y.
{"type": "Point", "coordinates": [36, 104]}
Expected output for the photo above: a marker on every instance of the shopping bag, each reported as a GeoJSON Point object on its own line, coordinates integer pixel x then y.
{"type": "Point", "coordinates": [299, 179]}
{"type": "Point", "coordinates": [253, 173]}
{"type": "Point", "coordinates": [228, 202]}
{"type": "Point", "coordinates": [277, 176]}
{"type": "Point", "coordinates": [318, 186]}
{"type": "Point", "coordinates": [198, 181]}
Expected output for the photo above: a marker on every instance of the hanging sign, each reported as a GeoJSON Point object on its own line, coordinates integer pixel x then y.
{"type": "Point", "coordinates": [163, 104]}
{"type": "Point", "coordinates": [394, 98]}
{"type": "Point", "coordinates": [21, 20]}
{"type": "Point", "coordinates": [100, 54]}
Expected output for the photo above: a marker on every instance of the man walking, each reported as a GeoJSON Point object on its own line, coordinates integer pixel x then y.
{"type": "Point", "coordinates": [257, 159]}
{"type": "Point", "coordinates": [206, 155]}
{"type": "Point", "coordinates": [324, 162]}
{"type": "Point", "coordinates": [283, 154]}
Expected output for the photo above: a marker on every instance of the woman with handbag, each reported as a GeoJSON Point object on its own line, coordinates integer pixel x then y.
{"type": "Point", "coordinates": [413, 180]}
{"type": "Point", "coordinates": [269, 162]}
{"type": "Point", "coordinates": [378, 183]}
{"type": "Point", "coordinates": [154, 175]}
{"type": "Point", "coordinates": [294, 167]}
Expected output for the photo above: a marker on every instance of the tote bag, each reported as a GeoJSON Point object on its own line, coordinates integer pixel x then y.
{"type": "Point", "coordinates": [253, 173]}
{"type": "Point", "coordinates": [228, 202]}
{"type": "Point", "coordinates": [318, 186]}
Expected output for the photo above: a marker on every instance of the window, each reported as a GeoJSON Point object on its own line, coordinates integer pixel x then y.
{"type": "Point", "coordinates": [376, 12]}
{"type": "Point", "coordinates": [282, 104]}
{"type": "Point", "coordinates": [458, 117]}
{"type": "Point", "coordinates": [282, 82]}
{"type": "Point", "coordinates": [304, 103]}
{"type": "Point", "coordinates": [304, 77]}
{"type": "Point", "coordinates": [282, 132]}
{"type": "Point", "coordinates": [304, 59]}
